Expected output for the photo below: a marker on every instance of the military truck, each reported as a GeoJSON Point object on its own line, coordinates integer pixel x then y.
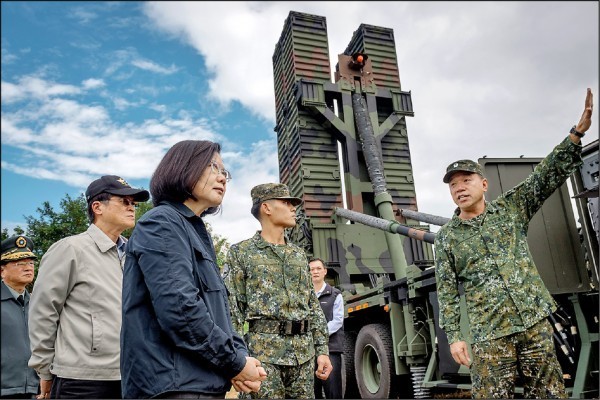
{"type": "Point", "coordinates": [343, 148]}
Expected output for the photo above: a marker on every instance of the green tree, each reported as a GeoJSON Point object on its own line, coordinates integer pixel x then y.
{"type": "Point", "coordinates": [221, 245]}
{"type": "Point", "coordinates": [16, 231]}
{"type": "Point", "coordinates": [49, 226]}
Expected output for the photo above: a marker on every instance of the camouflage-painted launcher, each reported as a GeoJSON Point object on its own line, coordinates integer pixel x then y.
{"type": "Point", "coordinates": [382, 270]}
{"type": "Point", "coordinates": [391, 325]}
{"type": "Point", "coordinates": [308, 133]}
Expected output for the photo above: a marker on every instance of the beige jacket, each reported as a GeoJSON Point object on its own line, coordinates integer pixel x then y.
{"type": "Point", "coordinates": [75, 309]}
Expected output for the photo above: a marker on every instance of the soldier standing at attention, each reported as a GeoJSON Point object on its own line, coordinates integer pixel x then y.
{"type": "Point", "coordinates": [332, 304]}
{"type": "Point", "coordinates": [484, 247]}
{"type": "Point", "coordinates": [270, 288]}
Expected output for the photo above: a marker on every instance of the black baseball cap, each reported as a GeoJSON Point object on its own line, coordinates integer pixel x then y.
{"type": "Point", "coordinates": [114, 184]}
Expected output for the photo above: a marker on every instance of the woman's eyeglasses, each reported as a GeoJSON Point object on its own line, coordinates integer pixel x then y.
{"type": "Point", "coordinates": [218, 170]}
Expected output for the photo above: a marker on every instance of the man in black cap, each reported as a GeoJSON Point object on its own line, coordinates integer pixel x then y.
{"type": "Point", "coordinates": [18, 380]}
{"type": "Point", "coordinates": [75, 316]}
{"type": "Point", "coordinates": [271, 289]}
{"type": "Point", "coordinates": [484, 248]}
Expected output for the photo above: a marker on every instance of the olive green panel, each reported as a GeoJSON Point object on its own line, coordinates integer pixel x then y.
{"type": "Point", "coordinates": [553, 237]}
{"type": "Point", "coordinates": [365, 250]}
{"type": "Point", "coordinates": [308, 158]}
{"type": "Point", "coordinates": [379, 44]}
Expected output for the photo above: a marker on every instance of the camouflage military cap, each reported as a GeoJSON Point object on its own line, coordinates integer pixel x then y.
{"type": "Point", "coordinates": [16, 248]}
{"type": "Point", "coordinates": [268, 191]}
{"type": "Point", "coordinates": [462, 165]}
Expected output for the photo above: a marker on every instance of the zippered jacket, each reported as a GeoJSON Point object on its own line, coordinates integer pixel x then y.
{"type": "Point", "coordinates": [75, 311]}
{"type": "Point", "coordinates": [177, 333]}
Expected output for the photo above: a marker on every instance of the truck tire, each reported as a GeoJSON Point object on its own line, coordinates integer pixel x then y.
{"type": "Point", "coordinates": [351, 389]}
{"type": "Point", "coordinates": [374, 361]}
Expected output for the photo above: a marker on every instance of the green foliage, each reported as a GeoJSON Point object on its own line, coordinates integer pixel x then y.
{"type": "Point", "coordinates": [16, 231]}
{"type": "Point", "coordinates": [221, 245]}
{"type": "Point", "coordinates": [49, 226]}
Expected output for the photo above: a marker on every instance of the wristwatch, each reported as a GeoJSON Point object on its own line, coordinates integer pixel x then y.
{"type": "Point", "coordinates": [574, 132]}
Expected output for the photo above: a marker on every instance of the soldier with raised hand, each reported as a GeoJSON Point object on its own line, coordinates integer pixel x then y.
{"type": "Point", "coordinates": [484, 247]}
{"type": "Point", "coordinates": [271, 290]}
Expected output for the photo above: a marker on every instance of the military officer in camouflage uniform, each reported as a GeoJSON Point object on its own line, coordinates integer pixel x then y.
{"type": "Point", "coordinates": [484, 247]}
{"type": "Point", "coordinates": [271, 291]}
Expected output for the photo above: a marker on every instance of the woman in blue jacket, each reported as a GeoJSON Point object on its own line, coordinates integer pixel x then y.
{"type": "Point", "coordinates": [177, 340]}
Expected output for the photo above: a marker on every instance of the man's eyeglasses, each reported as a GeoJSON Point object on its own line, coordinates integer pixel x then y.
{"type": "Point", "coordinates": [218, 170]}
{"type": "Point", "coordinates": [23, 264]}
{"type": "Point", "coordinates": [126, 202]}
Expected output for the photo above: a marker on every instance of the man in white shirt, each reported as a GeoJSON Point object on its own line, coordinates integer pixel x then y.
{"type": "Point", "coordinates": [332, 304]}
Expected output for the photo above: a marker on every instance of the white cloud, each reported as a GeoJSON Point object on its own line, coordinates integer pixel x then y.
{"type": "Point", "coordinates": [93, 83]}
{"type": "Point", "coordinates": [153, 67]}
{"type": "Point", "coordinates": [122, 104]}
{"type": "Point", "coordinates": [119, 58]}
{"type": "Point", "coordinates": [12, 133]}
{"type": "Point", "coordinates": [161, 108]}
{"type": "Point", "coordinates": [8, 58]}
{"type": "Point", "coordinates": [86, 43]}
{"type": "Point", "coordinates": [10, 92]}
{"type": "Point", "coordinates": [240, 58]}
{"type": "Point", "coordinates": [74, 142]}
{"type": "Point", "coordinates": [35, 87]}
{"type": "Point", "coordinates": [83, 16]}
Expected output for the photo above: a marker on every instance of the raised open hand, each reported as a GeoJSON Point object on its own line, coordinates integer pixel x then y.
{"type": "Point", "coordinates": [586, 118]}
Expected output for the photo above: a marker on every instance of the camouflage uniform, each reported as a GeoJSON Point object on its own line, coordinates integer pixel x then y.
{"type": "Point", "coordinates": [489, 255]}
{"type": "Point", "coordinates": [495, 365]}
{"type": "Point", "coordinates": [272, 282]}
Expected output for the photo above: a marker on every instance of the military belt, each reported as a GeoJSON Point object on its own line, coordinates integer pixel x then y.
{"type": "Point", "coordinates": [280, 327]}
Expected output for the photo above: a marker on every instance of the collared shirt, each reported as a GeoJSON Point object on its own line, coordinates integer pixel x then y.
{"type": "Point", "coordinates": [490, 257]}
{"type": "Point", "coordinates": [272, 282]}
{"type": "Point", "coordinates": [121, 243]}
{"type": "Point", "coordinates": [338, 312]}
{"type": "Point", "coordinates": [14, 292]}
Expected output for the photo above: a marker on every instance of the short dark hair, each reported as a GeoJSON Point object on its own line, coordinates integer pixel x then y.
{"type": "Point", "coordinates": [318, 259]}
{"type": "Point", "coordinates": [255, 211]}
{"type": "Point", "coordinates": [99, 197]}
{"type": "Point", "coordinates": [180, 169]}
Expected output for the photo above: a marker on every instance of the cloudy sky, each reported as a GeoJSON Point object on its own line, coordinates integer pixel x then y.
{"type": "Point", "coordinates": [94, 88]}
